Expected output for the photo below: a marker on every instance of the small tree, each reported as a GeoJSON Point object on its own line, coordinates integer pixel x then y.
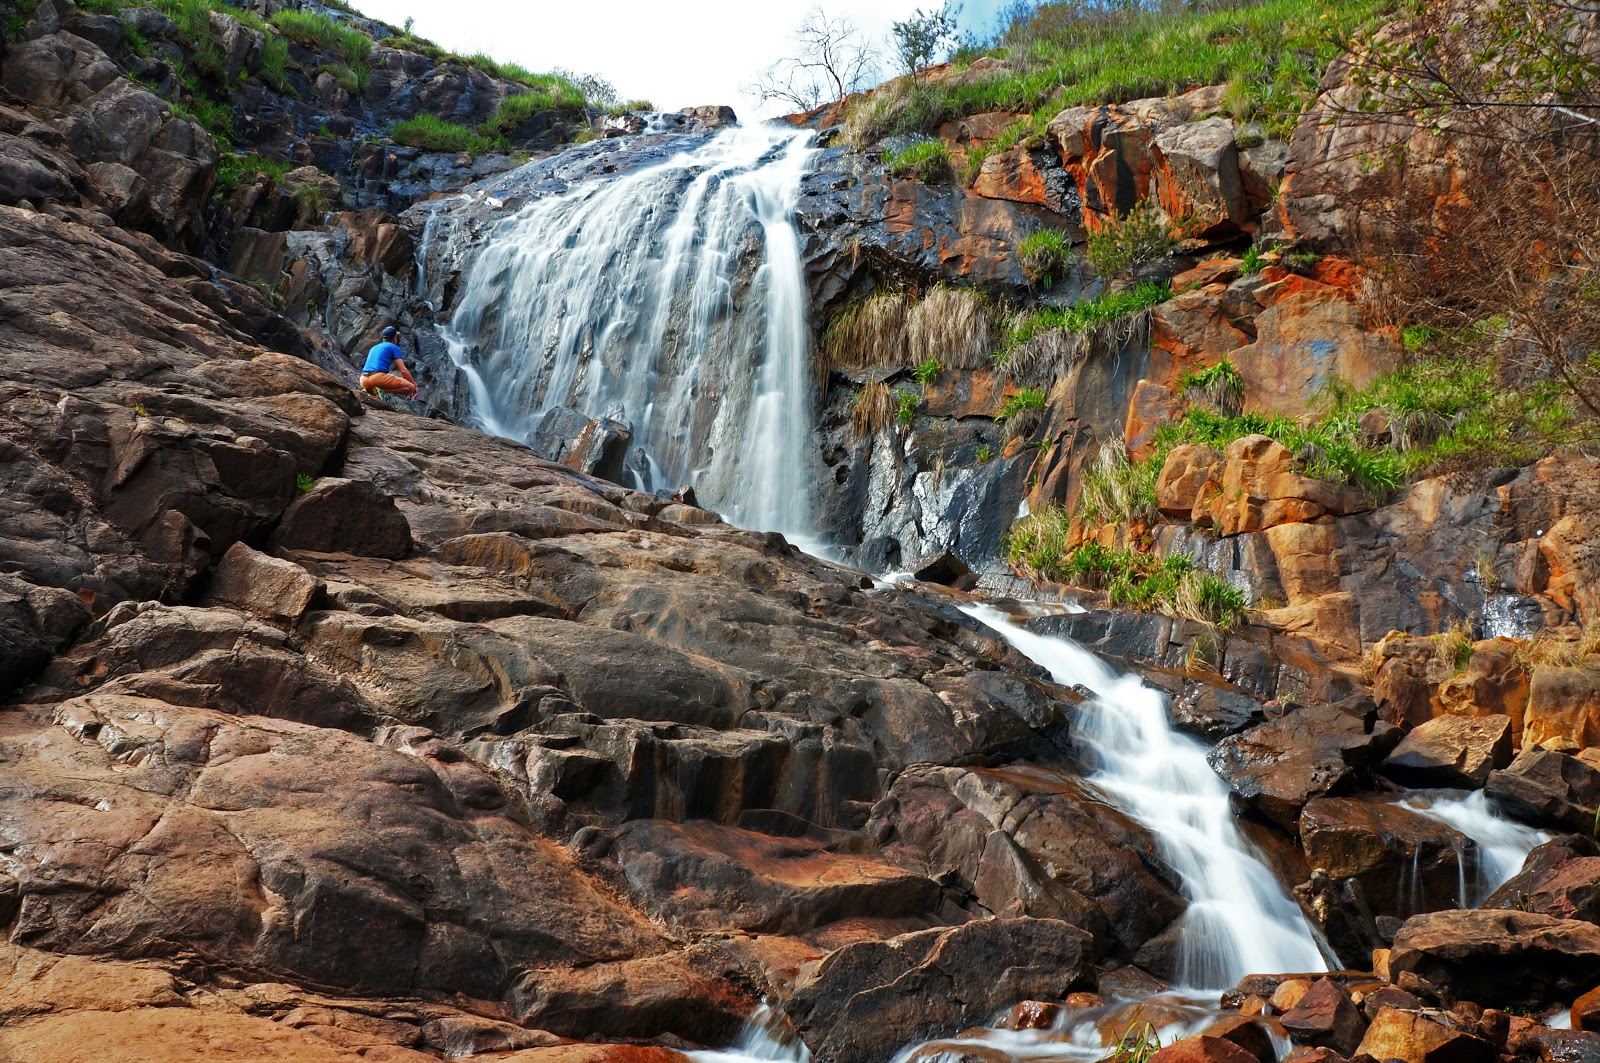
{"type": "Point", "coordinates": [831, 61]}
{"type": "Point", "coordinates": [920, 39]}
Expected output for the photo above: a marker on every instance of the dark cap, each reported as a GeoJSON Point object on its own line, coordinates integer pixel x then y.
{"type": "Point", "coordinates": [390, 333]}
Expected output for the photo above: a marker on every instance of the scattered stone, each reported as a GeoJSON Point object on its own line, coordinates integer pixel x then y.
{"type": "Point", "coordinates": [1031, 1015]}
{"type": "Point", "coordinates": [945, 568]}
{"type": "Point", "coordinates": [1496, 958]}
{"type": "Point", "coordinates": [339, 516]}
{"type": "Point", "coordinates": [1247, 1033]}
{"type": "Point", "coordinates": [1326, 1017]}
{"type": "Point", "coordinates": [1586, 1011]}
{"type": "Point", "coordinates": [271, 588]}
{"type": "Point", "coordinates": [1559, 878]}
{"type": "Point", "coordinates": [1411, 1037]}
{"type": "Point", "coordinates": [1548, 788]}
{"type": "Point", "coordinates": [1451, 751]}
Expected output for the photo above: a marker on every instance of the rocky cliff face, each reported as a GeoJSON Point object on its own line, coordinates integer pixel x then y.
{"type": "Point", "coordinates": [334, 731]}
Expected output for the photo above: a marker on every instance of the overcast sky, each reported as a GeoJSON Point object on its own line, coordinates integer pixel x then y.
{"type": "Point", "coordinates": [680, 54]}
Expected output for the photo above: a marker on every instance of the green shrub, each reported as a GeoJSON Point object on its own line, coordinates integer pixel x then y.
{"type": "Point", "coordinates": [927, 372]}
{"type": "Point", "coordinates": [926, 160]}
{"type": "Point", "coordinates": [274, 69]}
{"type": "Point", "coordinates": [304, 483]}
{"type": "Point", "coordinates": [1129, 242]}
{"type": "Point", "coordinates": [1024, 400]}
{"type": "Point", "coordinates": [1046, 256]}
{"type": "Point", "coordinates": [354, 79]}
{"type": "Point", "coordinates": [233, 170]}
{"type": "Point", "coordinates": [311, 202]}
{"type": "Point", "coordinates": [906, 403]}
{"type": "Point", "coordinates": [983, 453]}
{"type": "Point", "coordinates": [1252, 261]}
{"type": "Point", "coordinates": [435, 134]}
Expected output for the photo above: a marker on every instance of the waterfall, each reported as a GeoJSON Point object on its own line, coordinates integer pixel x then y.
{"type": "Point", "coordinates": [671, 299]}
{"type": "Point", "coordinates": [1240, 919]}
{"type": "Point", "coordinates": [1503, 844]}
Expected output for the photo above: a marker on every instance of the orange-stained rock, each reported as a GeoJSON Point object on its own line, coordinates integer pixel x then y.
{"type": "Point", "coordinates": [1152, 406]}
{"type": "Point", "coordinates": [1202, 1049]}
{"type": "Point", "coordinates": [1326, 1017]}
{"type": "Point", "coordinates": [1308, 561]}
{"type": "Point", "coordinates": [1259, 489]}
{"type": "Point", "coordinates": [1211, 271]}
{"type": "Point", "coordinates": [1015, 175]}
{"type": "Point", "coordinates": [1571, 549]}
{"type": "Point", "coordinates": [1332, 620]}
{"type": "Point", "coordinates": [1586, 1011]}
{"type": "Point", "coordinates": [1186, 472]}
{"type": "Point", "coordinates": [1190, 330]}
{"type": "Point", "coordinates": [1084, 1000]}
{"type": "Point", "coordinates": [1197, 177]}
{"type": "Point", "coordinates": [1492, 684]}
{"type": "Point", "coordinates": [594, 1054]}
{"type": "Point", "coordinates": [965, 393]}
{"type": "Point", "coordinates": [1400, 683]}
{"type": "Point", "coordinates": [180, 1035]}
{"type": "Point", "coordinates": [1110, 153]}
{"type": "Point", "coordinates": [1288, 993]}
{"type": "Point", "coordinates": [1305, 341]}
{"type": "Point", "coordinates": [978, 128]}
{"type": "Point", "coordinates": [1414, 1038]}
{"type": "Point", "coordinates": [1564, 707]}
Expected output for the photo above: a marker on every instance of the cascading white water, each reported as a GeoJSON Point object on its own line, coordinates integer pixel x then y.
{"type": "Point", "coordinates": [1503, 845]}
{"type": "Point", "coordinates": [672, 299]}
{"type": "Point", "coordinates": [1240, 919]}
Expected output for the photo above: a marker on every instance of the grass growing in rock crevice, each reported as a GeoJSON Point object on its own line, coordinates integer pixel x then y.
{"type": "Point", "coordinates": [1173, 585]}
{"type": "Point", "coordinates": [926, 160]}
{"type": "Point", "coordinates": [1042, 346]}
{"type": "Point", "coordinates": [435, 134]}
{"type": "Point", "coordinates": [891, 329]}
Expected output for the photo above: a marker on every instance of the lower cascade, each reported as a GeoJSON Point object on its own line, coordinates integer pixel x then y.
{"type": "Point", "coordinates": [671, 300]}
{"type": "Point", "coordinates": [1240, 920]}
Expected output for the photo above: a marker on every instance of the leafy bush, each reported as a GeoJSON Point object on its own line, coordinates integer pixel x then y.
{"type": "Point", "coordinates": [1046, 256]}
{"type": "Point", "coordinates": [983, 453]}
{"type": "Point", "coordinates": [927, 371]}
{"type": "Point", "coordinates": [1252, 261]}
{"type": "Point", "coordinates": [1024, 400]}
{"type": "Point", "coordinates": [926, 160]}
{"type": "Point", "coordinates": [435, 134]}
{"type": "Point", "coordinates": [1131, 241]}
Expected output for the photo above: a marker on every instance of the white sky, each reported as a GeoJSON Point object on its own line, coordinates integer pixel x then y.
{"type": "Point", "coordinates": [682, 54]}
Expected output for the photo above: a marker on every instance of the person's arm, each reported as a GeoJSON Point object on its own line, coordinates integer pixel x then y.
{"type": "Point", "coordinates": [401, 365]}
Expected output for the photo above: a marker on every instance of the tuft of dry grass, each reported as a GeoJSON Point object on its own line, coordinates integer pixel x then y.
{"type": "Point", "coordinates": [869, 333]}
{"type": "Point", "coordinates": [1555, 650]}
{"type": "Point", "coordinates": [874, 409]}
{"type": "Point", "coordinates": [954, 326]}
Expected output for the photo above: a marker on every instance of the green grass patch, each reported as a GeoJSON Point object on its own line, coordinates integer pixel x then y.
{"type": "Point", "coordinates": [234, 170]}
{"type": "Point", "coordinates": [555, 93]}
{"type": "Point", "coordinates": [1024, 400]}
{"type": "Point", "coordinates": [906, 403]}
{"type": "Point", "coordinates": [1273, 51]}
{"type": "Point", "coordinates": [1219, 387]}
{"type": "Point", "coordinates": [927, 371]}
{"type": "Point", "coordinates": [1108, 310]}
{"type": "Point", "coordinates": [926, 160]}
{"type": "Point", "coordinates": [316, 30]}
{"type": "Point", "coordinates": [1173, 585]}
{"type": "Point", "coordinates": [435, 134]}
{"type": "Point", "coordinates": [1046, 256]}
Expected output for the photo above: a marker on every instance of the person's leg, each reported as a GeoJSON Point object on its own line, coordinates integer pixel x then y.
{"type": "Point", "coordinates": [399, 385]}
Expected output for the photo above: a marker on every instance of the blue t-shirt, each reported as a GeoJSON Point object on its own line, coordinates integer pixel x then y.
{"type": "Point", "coordinates": [381, 357]}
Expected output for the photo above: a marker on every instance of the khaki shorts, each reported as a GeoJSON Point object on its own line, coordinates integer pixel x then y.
{"type": "Point", "coordinates": [387, 382]}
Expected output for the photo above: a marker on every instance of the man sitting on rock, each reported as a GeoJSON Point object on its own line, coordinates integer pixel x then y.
{"type": "Point", "coordinates": [385, 371]}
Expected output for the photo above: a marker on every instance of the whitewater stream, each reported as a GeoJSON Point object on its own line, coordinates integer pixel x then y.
{"type": "Point", "coordinates": [671, 299]}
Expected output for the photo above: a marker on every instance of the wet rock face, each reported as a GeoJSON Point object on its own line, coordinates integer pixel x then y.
{"type": "Point", "coordinates": [1403, 862]}
{"type": "Point", "coordinates": [1278, 766]}
{"type": "Point", "coordinates": [1548, 788]}
{"type": "Point", "coordinates": [1560, 878]}
{"type": "Point", "coordinates": [867, 1000]}
{"type": "Point", "coordinates": [1451, 751]}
